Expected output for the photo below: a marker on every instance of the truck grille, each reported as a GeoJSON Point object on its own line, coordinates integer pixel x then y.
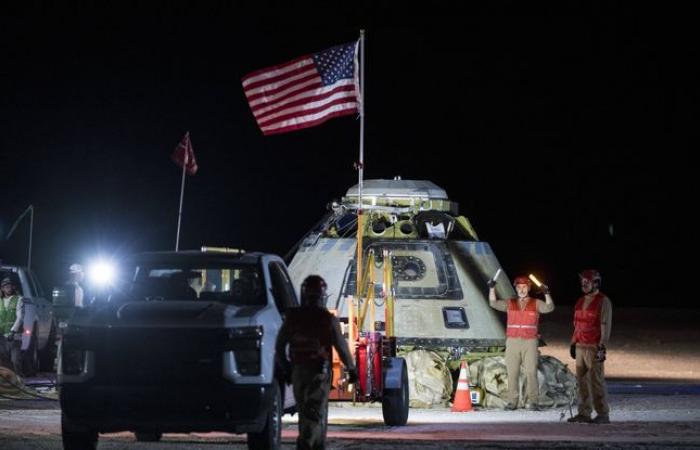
{"type": "Point", "coordinates": [159, 357]}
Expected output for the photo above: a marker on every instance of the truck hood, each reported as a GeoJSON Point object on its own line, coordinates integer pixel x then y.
{"type": "Point", "coordinates": [167, 314]}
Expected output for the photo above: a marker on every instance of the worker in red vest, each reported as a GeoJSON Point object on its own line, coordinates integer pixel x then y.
{"type": "Point", "coordinates": [522, 337]}
{"type": "Point", "coordinates": [592, 324]}
{"type": "Point", "coordinates": [312, 332]}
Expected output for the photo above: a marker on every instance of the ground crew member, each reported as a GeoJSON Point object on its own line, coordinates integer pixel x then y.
{"type": "Point", "coordinates": [522, 337]}
{"type": "Point", "coordinates": [592, 324]}
{"type": "Point", "coordinates": [11, 326]}
{"type": "Point", "coordinates": [311, 331]}
{"type": "Point", "coordinates": [75, 279]}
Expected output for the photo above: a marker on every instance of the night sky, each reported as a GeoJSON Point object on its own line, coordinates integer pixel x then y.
{"type": "Point", "coordinates": [563, 131]}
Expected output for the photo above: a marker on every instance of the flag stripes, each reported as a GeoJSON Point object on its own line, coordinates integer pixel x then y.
{"type": "Point", "coordinates": [304, 92]}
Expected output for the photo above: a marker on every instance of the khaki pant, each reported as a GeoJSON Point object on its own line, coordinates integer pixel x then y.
{"type": "Point", "coordinates": [590, 375]}
{"type": "Point", "coordinates": [311, 390]}
{"type": "Point", "coordinates": [522, 352]}
{"type": "Point", "coordinates": [10, 354]}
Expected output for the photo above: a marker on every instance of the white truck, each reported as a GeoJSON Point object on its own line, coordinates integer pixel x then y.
{"type": "Point", "coordinates": [186, 343]}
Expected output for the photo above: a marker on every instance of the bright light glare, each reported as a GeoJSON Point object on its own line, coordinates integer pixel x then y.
{"type": "Point", "coordinates": [102, 273]}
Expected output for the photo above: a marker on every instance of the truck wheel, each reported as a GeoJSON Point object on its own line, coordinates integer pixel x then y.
{"type": "Point", "coordinates": [271, 436]}
{"type": "Point", "coordinates": [395, 402]}
{"type": "Point", "coordinates": [148, 436]}
{"type": "Point", "coordinates": [30, 357]}
{"type": "Point", "coordinates": [76, 437]}
{"type": "Point", "coordinates": [47, 357]}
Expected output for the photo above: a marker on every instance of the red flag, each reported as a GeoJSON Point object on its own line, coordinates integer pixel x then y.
{"type": "Point", "coordinates": [306, 91]}
{"type": "Point", "coordinates": [183, 155]}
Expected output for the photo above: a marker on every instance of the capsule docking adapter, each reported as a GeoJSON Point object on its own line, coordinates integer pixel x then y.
{"type": "Point", "coordinates": [534, 279]}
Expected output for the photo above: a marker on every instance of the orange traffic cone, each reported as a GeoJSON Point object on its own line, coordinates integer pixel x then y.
{"type": "Point", "coordinates": [463, 398]}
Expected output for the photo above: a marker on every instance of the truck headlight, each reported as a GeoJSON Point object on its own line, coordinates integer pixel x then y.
{"type": "Point", "coordinates": [245, 343]}
{"type": "Point", "coordinates": [102, 273]}
{"type": "Point", "coordinates": [73, 361]}
{"type": "Point", "coordinates": [74, 348]}
{"type": "Point", "coordinates": [245, 332]}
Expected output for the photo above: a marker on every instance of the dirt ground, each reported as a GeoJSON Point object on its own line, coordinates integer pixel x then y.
{"type": "Point", "coordinates": [645, 344]}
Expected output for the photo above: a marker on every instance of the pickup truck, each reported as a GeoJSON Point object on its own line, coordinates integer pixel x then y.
{"type": "Point", "coordinates": [39, 335]}
{"type": "Point", "coordinates": [185, 343]}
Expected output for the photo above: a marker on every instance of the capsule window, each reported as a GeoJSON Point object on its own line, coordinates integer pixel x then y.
{"type": "Point", "coordinates": [455, 317]}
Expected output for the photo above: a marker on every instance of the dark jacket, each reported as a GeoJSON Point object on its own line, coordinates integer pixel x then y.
{"type": "Point", "coordinates": [311, 332]}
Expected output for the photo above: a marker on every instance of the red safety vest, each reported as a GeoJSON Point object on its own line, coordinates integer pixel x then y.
{"type": "Point", "coordinates": [587, 321]}
{"type": "Point", "coordinates": [522, 323]}
{"type": "Point", "coordinates": [310, 331]}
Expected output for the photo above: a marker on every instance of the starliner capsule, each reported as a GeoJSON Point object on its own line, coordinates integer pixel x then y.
{"type": "Point", "coordinates": [439, 267]}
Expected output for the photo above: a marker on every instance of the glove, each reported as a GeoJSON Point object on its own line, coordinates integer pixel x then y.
{"type": "Point", "coordinates": [601, 355]}
{"type": "Point", "coordinates": [351, 376]}
{"type": "Point", "coordinates": [572, 351]}
{"type": "Point", "coordinates": [545, 289]}
{"type": "Point", "coordinates": [491, 284]}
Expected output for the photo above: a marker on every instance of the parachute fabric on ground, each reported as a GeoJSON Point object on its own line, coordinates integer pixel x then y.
{"type": "Point", "coordinates": [430, 381]}
{"type": "Point", "coordinates": [493, 378]}
{"type": "Point", "coordinates": [556, 383]}
{"type": "Point", "coordinates": [10, 383]}
{"type": "Point", "coordinates": [12, 387]}
{"type": "Point", "coordinates": [474, 371]}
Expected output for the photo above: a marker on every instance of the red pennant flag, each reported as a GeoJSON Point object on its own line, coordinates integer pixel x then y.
{"type": "Point", "coordinates": [183, 155]}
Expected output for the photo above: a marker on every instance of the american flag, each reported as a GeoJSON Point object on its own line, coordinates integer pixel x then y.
{"type": "Point", "coordinates": [306, 91]}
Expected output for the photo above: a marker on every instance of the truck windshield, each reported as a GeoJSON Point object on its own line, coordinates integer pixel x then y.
{"type": "Point", "coordinates": [232, 284]}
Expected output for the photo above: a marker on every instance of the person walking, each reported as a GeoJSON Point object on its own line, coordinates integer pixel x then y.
{"type": "Point", "coordinates": [522, 337]}
{"type": "Point", "coordinates": [592, 325]}
{"type": "Point", "coordinates": [311, 332]}
{"type": "Point", "coordinates": [11, 326]}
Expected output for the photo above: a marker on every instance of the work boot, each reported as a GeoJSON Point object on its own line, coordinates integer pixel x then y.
{"type": "Point", "coordinates": [601, 418]}
{"type": "Point", "coordinates": [532, 407]}
{"type": "Point", "coordinates": [510, 406]}
{"type": "Point", "coordinates": [579, 418]}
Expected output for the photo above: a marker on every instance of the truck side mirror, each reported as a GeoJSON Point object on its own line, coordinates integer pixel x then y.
{"type": "Point", "coordinates": [63, 299]}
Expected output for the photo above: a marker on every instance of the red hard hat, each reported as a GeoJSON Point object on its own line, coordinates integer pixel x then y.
{"type": "Point", "coordinates": [313, 290]}
{"type": "Point", "coordinates": [591, 275]}
{"type": "Point", "coordinates": [522, 280]}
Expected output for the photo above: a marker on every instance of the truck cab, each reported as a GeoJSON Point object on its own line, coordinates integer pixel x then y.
{"type": "Point", "coordinates": [185, 343]}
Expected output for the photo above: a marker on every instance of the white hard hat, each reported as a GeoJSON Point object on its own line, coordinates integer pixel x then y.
{"type": "Point", "coordinates": [75, 268]}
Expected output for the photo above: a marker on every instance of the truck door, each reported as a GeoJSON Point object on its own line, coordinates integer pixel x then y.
{"type": "Point", "coordinates": [282, 288]}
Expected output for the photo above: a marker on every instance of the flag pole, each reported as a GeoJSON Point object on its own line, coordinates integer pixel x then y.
{"type": "Point", "coordinates": [30, 211]}
{"type": "Point", "coordinates": [360, 171]}
{"type": "Point", "coordinates": [182, 192]}
{"type": "Point", "coordinates": [31, 235]}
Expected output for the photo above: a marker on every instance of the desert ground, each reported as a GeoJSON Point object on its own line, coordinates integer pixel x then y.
{"type": "Point", "coordinates": [649, 347]}
{"type": "Point", "coordinates": [645, 344]}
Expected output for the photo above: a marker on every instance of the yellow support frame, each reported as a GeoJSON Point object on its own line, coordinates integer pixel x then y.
{"type": "Point", "coordinates": [367, 288]}
{"type": "Point", "coordinates": [388, 281]}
